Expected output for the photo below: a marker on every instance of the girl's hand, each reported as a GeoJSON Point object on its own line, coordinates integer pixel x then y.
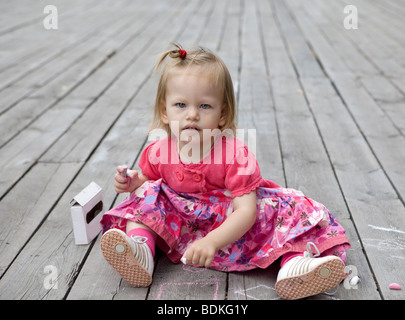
{"type": "Point", "coordinates": [201, 253]}
{"type": "Point", "coordinates": [126, 184]}
{"type": "Point", "coordinates": [235, 226]}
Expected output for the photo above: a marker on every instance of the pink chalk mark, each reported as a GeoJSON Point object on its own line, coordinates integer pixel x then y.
{"type": "Point", "coordinates": [193, 269]}
{"type": "Point", "coordinates": [216, 282]}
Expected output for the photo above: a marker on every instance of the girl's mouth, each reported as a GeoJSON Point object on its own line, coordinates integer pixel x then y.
{"type": "Point", "coordinates": [192, 128]}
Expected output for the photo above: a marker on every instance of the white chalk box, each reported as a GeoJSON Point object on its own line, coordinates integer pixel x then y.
{"type": "Point", "coordinates": [86, 210]}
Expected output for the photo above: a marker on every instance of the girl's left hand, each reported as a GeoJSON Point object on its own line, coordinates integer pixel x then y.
{"type": "Point", "coordinates": [200, 253]}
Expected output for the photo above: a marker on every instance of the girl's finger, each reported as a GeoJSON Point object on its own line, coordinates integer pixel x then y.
{"type": "Point", "coordinates": [187, 257]}
{"type": "Point", "coordinates": [208, 262]}
{"type": "Point", "coordinates": [120, 179]}
{"type": "Point", "coordinates": [132, 173]}
{"type": "Point", "coordinates": [202, 261]}
{"type": "Point", "coordinates": [122, 170]}
{"type": "Point", "coordinates": [195, 258]}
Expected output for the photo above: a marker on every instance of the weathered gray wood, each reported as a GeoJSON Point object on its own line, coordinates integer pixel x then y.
{"type": "Point", "coordinates": [28, 203]}
{"type": "Point", "coordinates": [71, 68]}
{"type": "Point", "coordinates": [14, 164]}
{"type": "Point", "coordinates": [372, 96]}
{"type": "Point", "coordinates": [60, 45]}
{"type": "Point", "coordinates": [178, 282]}
{"type": "Point", "coordinates": [356, 49]}
{"type": "Point", "coordinates": [323, 175]}
{"type": "Point", "coordinates": [17, 157]}
{"type": "Point", "coordinates": [327, 105]}
{"type": "Point", "coordinates": [368, 203]}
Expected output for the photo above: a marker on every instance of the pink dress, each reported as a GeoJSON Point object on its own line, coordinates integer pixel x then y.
{"type": "Point", "coordinates": [184, 202]}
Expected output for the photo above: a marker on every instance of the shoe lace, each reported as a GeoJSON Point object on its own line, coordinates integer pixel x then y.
{"type": "Point", "coordinates": [139, 239]}
{"type": "Point", "coordinates": [309, 253]}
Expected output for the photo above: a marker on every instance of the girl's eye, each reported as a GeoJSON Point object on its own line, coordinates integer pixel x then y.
{"type": "Point", "coordinates": [180, 104]}
{"type": "Point", "coordinates": [205, 106]}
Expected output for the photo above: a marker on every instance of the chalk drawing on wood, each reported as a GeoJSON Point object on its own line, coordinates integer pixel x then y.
{"type": "Point", "coordinates": [167, 285]}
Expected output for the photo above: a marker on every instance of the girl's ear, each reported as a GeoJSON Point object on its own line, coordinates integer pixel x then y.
{"type": "Point", "coordinates": [222, 120]}
{"type": "Point", "coordinates": [163, 114]}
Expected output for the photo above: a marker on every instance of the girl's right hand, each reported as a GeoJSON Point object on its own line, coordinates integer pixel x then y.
{"type": "Point", "coordinates": [126, 184]}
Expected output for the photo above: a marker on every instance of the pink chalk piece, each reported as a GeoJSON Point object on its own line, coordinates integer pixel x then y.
{"type": "Point", "coordinates": [395, 286]}
{"type": "Point", "coordinates": [124, 171]}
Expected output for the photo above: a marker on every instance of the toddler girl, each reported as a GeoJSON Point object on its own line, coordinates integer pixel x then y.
{"type": "Point", "coordinates": [201, 198]}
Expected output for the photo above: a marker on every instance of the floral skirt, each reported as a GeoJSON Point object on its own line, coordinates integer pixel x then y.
{"type": "Point", "coordinates": [286, 221]}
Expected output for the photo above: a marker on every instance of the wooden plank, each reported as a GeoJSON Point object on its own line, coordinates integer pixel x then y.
{"type": "Point", "coordinates": [370, 194]}
{"type": "Point", "coordinates": [71, 73]}
{"type": "Point", "coordinates": [16, 14]}
{"type": "Point", "coordinates": [216, 19]}
{"type": "Point", "coordinates": [190, 36]}
{"type": "Point", "coordinates": [347, 46]}
{"type": "Point", "coordinates": [17, 60]}
{"type": "Point", "coordinates": [26, 13]}
{"type": "Point", "coordinates": [179, 282]}
{"type": "Point", "coordinates": [60, 60]}
{"type": "Point", "coordinates": [385, 60]}
{"type": "Point", "coordinates": [377, 115]}
{"type": "Point", "coordinates": [18, 149]}
{"type": "Point", "coordinates": [256, 284]}
{"type": "Point", "coordinates": [380, 121]}
{"type": "Point", "coordinates": [256, 110]}
{"type": "Point", "coordinates": [303, 129]}
{"type": "Point", "coordinates": [18, 157]}
{"type": "Point", "coordinates": [23, 212]}
{"type": "Point", "coordinates": [389, 23]}
{"type": "Point", "coordinates": [388, 55]}
{"type": "Point", "coordinates": [390, 100]}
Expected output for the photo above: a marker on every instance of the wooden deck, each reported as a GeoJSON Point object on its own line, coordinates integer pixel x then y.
{"type": "Point", "coordinates": [328, 104]}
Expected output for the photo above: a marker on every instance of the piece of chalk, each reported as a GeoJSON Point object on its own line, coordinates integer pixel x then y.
{"type": "Point", "coordinates": [395, 286]}
{"type": "Point", "coordinates": [354, 281]}
{"type": "Point", "coordinates": [124, 171]}
{"type": "Point", "coordinates": [183, 260]}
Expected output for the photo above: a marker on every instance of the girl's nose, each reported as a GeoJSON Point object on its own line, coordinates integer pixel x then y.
{"type": "Point", "coordinates": [193, 113]}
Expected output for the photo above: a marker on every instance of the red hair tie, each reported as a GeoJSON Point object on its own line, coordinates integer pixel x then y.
{"type": "Point", "coordinates": [183, 53]}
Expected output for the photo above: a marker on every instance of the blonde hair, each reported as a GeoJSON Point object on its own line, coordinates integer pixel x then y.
{"type": "Point", "coordinates": [213, 66]}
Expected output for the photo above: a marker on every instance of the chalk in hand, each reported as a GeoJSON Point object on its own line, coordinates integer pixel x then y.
{"type": "Point", "coordinates": [124, 171]}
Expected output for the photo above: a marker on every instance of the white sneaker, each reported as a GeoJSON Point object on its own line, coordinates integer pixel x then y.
{"type": "Point", "coordinates": [129, 256]}
{"type": "Point", "coordinates": [306, 276]}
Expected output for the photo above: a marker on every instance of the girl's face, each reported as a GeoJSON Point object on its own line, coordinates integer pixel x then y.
{"type": "Point", "coordinates": [193, 103]}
